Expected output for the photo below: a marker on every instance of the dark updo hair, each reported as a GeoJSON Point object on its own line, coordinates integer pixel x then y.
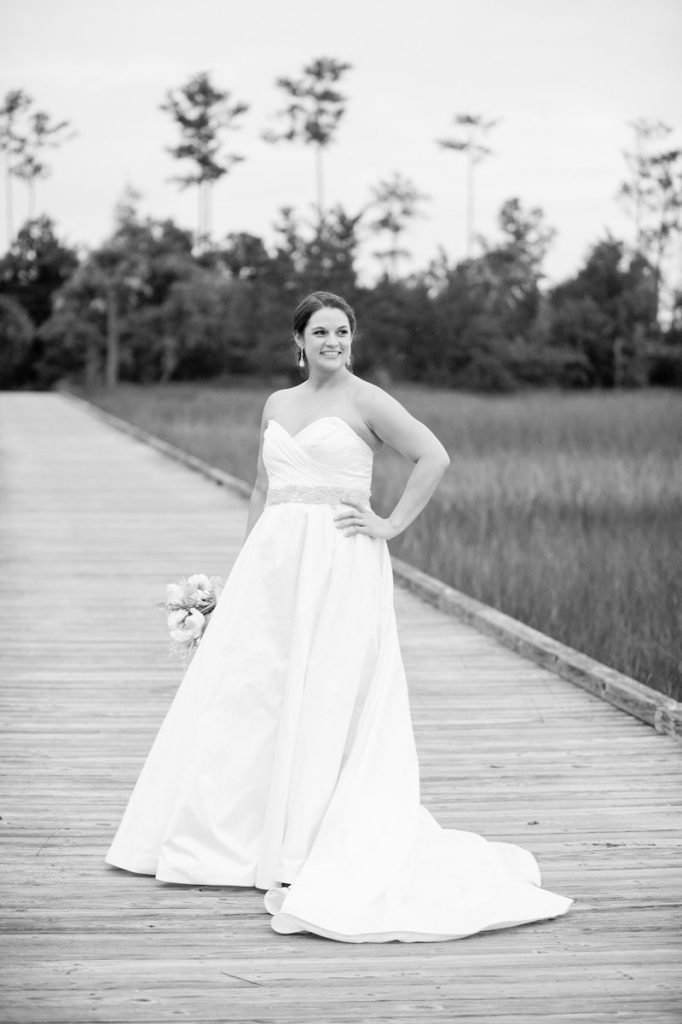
{"type": "Point", "coordinates": [321, 300]}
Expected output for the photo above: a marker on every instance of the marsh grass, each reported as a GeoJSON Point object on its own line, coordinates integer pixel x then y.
{"type": "Point", "coordinates": [563, 510]}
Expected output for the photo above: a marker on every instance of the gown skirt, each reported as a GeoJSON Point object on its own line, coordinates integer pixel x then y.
{"type": "Point", "coordinates": [287, 758]}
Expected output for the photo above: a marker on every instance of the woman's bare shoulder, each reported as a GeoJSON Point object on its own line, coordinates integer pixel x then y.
{"type": "Point", "coordinates": [392, 423]}
{"type": "Point", "coordinates": [371, 400]}
{"type": "Point", "coordinates": [279, 401]}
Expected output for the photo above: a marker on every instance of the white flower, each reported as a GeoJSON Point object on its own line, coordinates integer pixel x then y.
{"type": "Point", "coordinates": [191, 627]}
{"type": "Point", "coordinates": [174, 594]}
{"type": "Point", "coordinates": [188, 605]}
{"type": "Point", "coordinates": [200, 581]}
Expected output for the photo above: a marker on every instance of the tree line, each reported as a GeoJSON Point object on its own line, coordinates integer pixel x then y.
{"type": "Point", "coordinates": [155, 302]}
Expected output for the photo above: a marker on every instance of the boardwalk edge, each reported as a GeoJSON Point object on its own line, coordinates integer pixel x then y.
{"type": "Point", "coordinates": [218, 476]}
{"type": "Point", "coordinates": [649, 705]}
{"type": "Point", "coordinates": [663, 713]}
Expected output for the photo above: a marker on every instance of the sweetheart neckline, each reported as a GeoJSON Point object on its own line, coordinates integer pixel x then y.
{"type": "Point", "coordinates": [319, 419]}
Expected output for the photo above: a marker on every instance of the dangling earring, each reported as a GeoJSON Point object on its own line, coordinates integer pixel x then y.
{"type": "Point", "coordinates": [301, 359]}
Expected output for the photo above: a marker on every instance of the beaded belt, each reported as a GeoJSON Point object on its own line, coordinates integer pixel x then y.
{"type": "Point", "coordinates": [316, 495]}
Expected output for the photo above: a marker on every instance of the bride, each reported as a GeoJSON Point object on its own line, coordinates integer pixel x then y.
{"type": "Point", "coordinates": [287, 759]}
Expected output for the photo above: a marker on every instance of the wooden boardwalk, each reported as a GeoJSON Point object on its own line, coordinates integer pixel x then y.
{"type": "Point", "coordinates": [92, 526]}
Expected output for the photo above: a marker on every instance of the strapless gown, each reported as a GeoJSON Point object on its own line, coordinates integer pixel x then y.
{"type": "Point", "coordinates": [288, 756]}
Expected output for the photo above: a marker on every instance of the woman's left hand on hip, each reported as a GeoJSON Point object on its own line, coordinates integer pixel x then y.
{"type": "Point", "coordinates": [357, 519]}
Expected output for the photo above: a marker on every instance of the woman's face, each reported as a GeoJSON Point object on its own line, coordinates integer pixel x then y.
{"type": "Point", "coordinates": [327, 339]}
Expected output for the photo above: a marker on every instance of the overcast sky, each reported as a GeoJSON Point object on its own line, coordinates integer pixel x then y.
{"type": "Point", "coordinates": [564, 77]}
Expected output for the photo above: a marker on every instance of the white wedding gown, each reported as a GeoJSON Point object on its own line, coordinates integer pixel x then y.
{"type": "Point", "coordinates": [287, 755]}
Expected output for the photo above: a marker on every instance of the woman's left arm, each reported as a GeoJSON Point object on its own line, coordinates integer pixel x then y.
{"type": "Point", "coordinates": [390, 421]}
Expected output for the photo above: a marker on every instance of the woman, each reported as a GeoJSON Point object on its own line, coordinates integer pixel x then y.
{"type": "Point", "coordinates": [287, 759]}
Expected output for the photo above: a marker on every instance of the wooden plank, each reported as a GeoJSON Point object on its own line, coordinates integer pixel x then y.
{"type": "Point", "coordinates": [92, 526]}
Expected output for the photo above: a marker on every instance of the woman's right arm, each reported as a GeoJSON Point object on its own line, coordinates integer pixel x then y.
{"type": "Point", "coordinates": [260, 490]}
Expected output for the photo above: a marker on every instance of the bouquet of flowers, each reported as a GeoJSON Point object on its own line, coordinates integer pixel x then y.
{"type": "Point", "coordinates": [188, 605]}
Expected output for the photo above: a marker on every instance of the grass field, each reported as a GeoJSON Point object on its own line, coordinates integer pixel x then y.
{"type": "Point", "coordinates": [561, 509]}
